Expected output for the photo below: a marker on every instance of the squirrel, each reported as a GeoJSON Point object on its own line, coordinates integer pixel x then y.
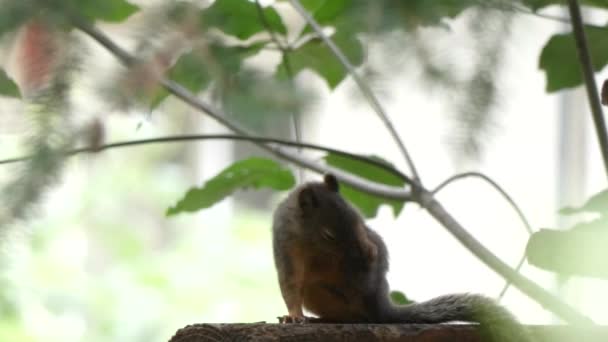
{"type": "Point", "coordinates": [330, 263]}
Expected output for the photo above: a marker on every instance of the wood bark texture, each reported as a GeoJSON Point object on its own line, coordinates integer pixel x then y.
{"type": "Point", "coordinates": [325, 332]}
{"type": "Point", "coordinates": [265, 332]}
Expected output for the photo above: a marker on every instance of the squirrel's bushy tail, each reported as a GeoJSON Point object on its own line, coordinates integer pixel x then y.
{"type": "Point", "coordinates": [496, 324]}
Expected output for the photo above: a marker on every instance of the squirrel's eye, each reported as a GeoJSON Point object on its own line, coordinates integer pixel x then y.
{"type": "Point", "coordinates": [328, 235]}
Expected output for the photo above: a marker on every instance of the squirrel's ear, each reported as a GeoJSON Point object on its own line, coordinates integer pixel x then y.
{"type": "Point", "coordinates": [307, 199]}
{"type": "Point", "coordinates": [331, 182]}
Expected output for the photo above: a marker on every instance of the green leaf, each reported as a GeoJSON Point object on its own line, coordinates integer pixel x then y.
{"type": "Point", "coordinates": [399, 298]}
{"type": "Point", "coordinates": [316, 55]}
{"type": "Point", "coordinates": [330, 10]}
{"type": "Point", "coordinates": [252, 172]}
{"type": "Point", "coordinates": [240, 18]}
{"type": "Point", "coordinates": [367, 204]}
{"type": "Point", "coordinates": [327, 11]}
{"type": "Point", "coordinates": [192, 69]}
{"type": "Point", "coordinates": [106, 10]}
{"type": "Point", "coordinates": [560, 62]}
{"type": "Point", "coordinates": [577, 251]}
{"type": "Point", "coordinates": [348, 15]}
{"type": "Point", "coordinates": [597, 203]}
{"type": "Point", "coordinates": [7, 86]}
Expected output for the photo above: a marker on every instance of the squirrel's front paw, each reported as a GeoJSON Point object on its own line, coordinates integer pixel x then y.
{"type": "Point", "coordinates": [293, 319]}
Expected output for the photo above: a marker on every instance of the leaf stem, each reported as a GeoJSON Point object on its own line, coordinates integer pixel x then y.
{"type": "Point", "coordinates": [507, 197]}
{"type": "Point", "coordinates": [495, 185]}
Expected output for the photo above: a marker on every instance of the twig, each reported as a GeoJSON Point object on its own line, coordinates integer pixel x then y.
{"type": "Point", "coordinates": [496, 186]}
{"type": "Point", "coordinates": [424, 197]}
{"type": "Point", "coordinates": [267, 26]}
{"type": "Point", "coordinates": [507, 197]}
{"type": "Point", "coordinates": [588, 75]}
{"type": "Point", "coordinates": [195, 137]}
{"type": "Point", "coordinates": [284, 49]}
{"type": "Point", "coordinates": [508, 283]}
{"type": "Point", "coordinates": [365, 89]}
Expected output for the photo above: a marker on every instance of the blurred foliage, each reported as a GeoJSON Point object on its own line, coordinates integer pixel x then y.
{"type": "Point", "coordinates": [107, 10]}
{"type": "Point", "coordinates": [240, 18]}
{"type": "Point", "coordinates": [384, 15]}
{"type": "Point", "coordinates": [579, 250]}
{"type": "Point", "coordinates": [48, 109]}
{"type": "Point", "coordinates": [196, 69]}
{"type": "Point", "coordinates": [316, 55]}
{"type": "Point", "coordinates": [15, 13]}
{"type": "Point", "coordinates": [475, 114]}
{"type": "Point", "coordinates": [267, 101]}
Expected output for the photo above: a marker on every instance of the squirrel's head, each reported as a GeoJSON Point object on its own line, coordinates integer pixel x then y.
{"type": "Point", "coordinates": [313, 195]}
{"type": "Point", "coordinates": [335, 224]}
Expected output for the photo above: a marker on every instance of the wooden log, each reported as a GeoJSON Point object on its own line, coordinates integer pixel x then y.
{"type": "Point", "coordinates": [265, 332]}
{"type": "Point", "coordinates": [325, 332]}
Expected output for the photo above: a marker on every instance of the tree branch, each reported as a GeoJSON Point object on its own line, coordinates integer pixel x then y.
{"type": "Point", "coordinates": [588, 75]}
{"type": "Point", "coordinates": [195, 137]}
{"type": "Point", "coordinates": [542, 296]}
{"type": "Point", "coordinates": [365, 89]}
{"type": "Point", "coordinates": [423, 196]}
